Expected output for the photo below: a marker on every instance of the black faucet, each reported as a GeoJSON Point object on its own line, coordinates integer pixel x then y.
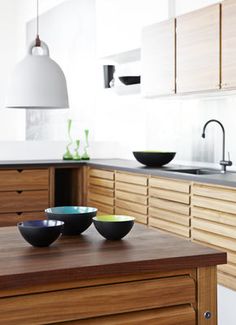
{"type": "Point", "coordinates": [224, 163]}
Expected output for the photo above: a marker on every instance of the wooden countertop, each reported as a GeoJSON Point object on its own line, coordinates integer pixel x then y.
{"type": "Point", "coordinates": [90, 256]}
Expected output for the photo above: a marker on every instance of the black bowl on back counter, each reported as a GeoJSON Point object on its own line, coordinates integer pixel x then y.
{"type": "Point", "coordinates": [76, 218]}
{"type": "Point", "coordinates": [40, 233]}
{"type": "Point", "coordinates": [113, 227]}
{"type": "Point", "coordinates": [154, 158]}
{"type": "Point", "coordinates": [130, 80]}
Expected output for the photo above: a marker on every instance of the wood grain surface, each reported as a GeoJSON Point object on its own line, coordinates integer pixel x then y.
{"type": "Point", "coordinates": [89, 256]}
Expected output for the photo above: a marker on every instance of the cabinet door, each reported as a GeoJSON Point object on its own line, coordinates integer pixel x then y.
{"type": "Point", "coordinates": [228, 44]}
{"type": "Point", "coordinates": [131, 195]}
{"type": "Point", "coordinates": [158, 59]}
{"type": "Point", "coordinates": [198, 50]}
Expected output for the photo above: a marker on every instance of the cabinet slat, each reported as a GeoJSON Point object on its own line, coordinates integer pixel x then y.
{"type": "Point", "coordinates": [101, 198]}
{"type": "Point", "coordinates": [141, 199]}
{"type": "Point", "coordinates": [101, 182]}
{"type": "Point", "coordinates": [101, 173]}
{"type": "Point", "coordinates": [170, 184]}
{"type": "Point", "coordinates": [170, 216]}
{"type": "Point", "coordinates": [131, 188]}
{"type": "Point", "coordinates": [136, 179]}
{"type": "Point", "coordinates": [170, 206]}
{"type": "Point", "coordinates": [170, 195]}
{"type": "Point", "coordinates": [212, 215]}
{"type": "Point", "coordinates": [215, 192]}
{"type": "Point", "coordinates": [142, 209]}
{"type": "Point", "coordinates": [138, 217]}
{"type": "Point", "coordinates": [214, 204]}
{"type": "Point", "coordinates": [169, 226]}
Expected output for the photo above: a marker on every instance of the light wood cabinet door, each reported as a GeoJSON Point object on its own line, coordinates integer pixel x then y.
{"type": "Point", "coordinates": [228, 44]}
{"type": "Point", "coordinates": [131, 195]}
{"type": "Point", "coordinates": [198, 50]}
{"type": "Point", "coordinates": [158, 59]}
{"type": "Point", "coordinates": [100, 191]}
{"type": "Point", "coordinates": [169, 205]}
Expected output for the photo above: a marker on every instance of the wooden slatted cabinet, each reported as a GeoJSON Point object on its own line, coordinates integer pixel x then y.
{"type": "Point", "coordinates": [169, 205]}
{"type": "Point", "coordinates": [100, 192]}
{"type": "Point", "coordinates": [131, 195]}
{"type": "Point", "coordinates": [214, 224]}
{"type": "Point", "coordinates": [24, 195]}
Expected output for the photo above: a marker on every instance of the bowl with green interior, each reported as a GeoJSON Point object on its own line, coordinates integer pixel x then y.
{"type": "Point", "coordinates": [113, 227]}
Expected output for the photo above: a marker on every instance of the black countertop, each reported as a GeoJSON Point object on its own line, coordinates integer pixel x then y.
{"type": "Point", "coordinates": [228, 179]}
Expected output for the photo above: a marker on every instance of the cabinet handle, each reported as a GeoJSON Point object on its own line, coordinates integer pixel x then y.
{"type": "Point", "coordinates": [19, 213]}
{"type": "Point", "coordinates": [19, 192]}
{"type": "Point", "coordinates": [20, 170]}
{"type": "Point", "coordinates": [207, 315]}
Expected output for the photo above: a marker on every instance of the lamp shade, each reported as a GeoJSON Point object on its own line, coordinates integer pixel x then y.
{"type": "Point", "coordinates": [37, 82]}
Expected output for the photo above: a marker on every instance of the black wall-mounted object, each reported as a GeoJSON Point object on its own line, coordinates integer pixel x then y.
{"type": "Point", "coordinates": [108, 71]}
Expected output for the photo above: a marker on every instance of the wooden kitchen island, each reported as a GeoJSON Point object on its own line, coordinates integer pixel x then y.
{"type": "Point", "coordinates": [148, 277]}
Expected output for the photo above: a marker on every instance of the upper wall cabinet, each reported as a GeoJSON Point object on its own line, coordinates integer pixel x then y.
{"type": "Point", "coordinates": [158, 59]}
{"type": "Point", "coordinates": [198, 50]}
{"type": "Point", "coordinates": [228, 44]}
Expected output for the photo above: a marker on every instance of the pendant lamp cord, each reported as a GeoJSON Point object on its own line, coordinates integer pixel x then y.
{"type": "Point", "coordinates": [37, 41]}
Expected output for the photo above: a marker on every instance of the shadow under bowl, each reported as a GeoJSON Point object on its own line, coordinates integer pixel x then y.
{"type": "Point", "coordinates": [113, 227]}
{"type": "Point", "coordinates": [76, 218]}
{"type": "Point", "coordinates": [40, 233]}
{"type": "Point", "coordinates": [153, 158]}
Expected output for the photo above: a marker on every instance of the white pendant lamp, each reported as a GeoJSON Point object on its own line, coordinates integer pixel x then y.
{"type": "Point", "coordinates": [37, 81]}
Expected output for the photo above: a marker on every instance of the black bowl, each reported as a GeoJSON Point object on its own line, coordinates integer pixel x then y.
{"type": "Point", "coordinates": [76, 218]}
{"type": "Point", "coordinates": [130, 80]}
{"type": "Point", "coordinates": [113, 227]}
{"type": "Point", "coordinates": [154, 158]}
{"type": "Point", "coordinates": [40, 233]}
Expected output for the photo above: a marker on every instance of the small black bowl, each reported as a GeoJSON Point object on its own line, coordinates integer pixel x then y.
{"type": "Point", "coordinates": [40, 233]}
{"type": "Point", "coordinates": [130, 80]}
{"type": "Point", "coordinates": [154, 158]}
{"type": "Point", "coordinates": [76, 218]}
{"type": "Point", "coordinates": [113, 227]}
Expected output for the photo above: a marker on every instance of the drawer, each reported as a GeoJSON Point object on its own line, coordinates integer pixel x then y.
{"type": "Point", "coordinates": [215, 216]}
{"type": "Point", "coordinates": [170, 195]}
{"type": "Point", "coordinates": [214, 204]}
{"type": "Point", "coordinates": [101, 198]}
{"type": "Point", "coordinates": [169, 184]}
{"type": "Point", "coordinates": [132, 197]}
{"type": "Point", "coordinates": [180, 315]}
{"type": "Point", "coordinates": [101, 173]}
{"type": "Point", "coordinates": [131, 188]}
{"type": "Point", "coordinates": [23, 201]}
{"type": "Point", "coordinates": [170, 216]}
{"type": "Point", "coordinates": [170, 206]}
{"type": "Point", "coordinates": [132, 178]}
{"type": "Point", "coordinates": [215, 192]}
{"type": "Point", "coordinates": [169, 226]}
{"type": "Point", "coordinates": [11, 219]}
{"type": "Point", "coordinates": [142, 209]}
{"type": "Point", "coordinates": [138, 217]}
{"type": "Point", "coordinates": [24, 179]}
{"type": "Point", "coordinates": [101, 182]}
{"type": "Point", "coordinates": [102, 208]}
{"type": "Point", "coordinates": [101, 190]}
{"type": "Point", "coordinates": [125, 297]}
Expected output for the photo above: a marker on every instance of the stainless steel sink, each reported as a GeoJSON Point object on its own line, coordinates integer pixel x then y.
{"type": "Point", "coordinates": [197, 171]}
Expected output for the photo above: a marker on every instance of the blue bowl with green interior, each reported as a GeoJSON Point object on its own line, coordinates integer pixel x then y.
{"type": "Point", "coordinates": [40, 233]}
{"type": "Point", "coordinates": [113, 227]}
{"type": "Point", "coordinates": [76, 218]}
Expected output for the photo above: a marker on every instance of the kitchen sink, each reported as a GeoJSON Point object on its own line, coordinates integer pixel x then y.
{"type": "Point", "coordinates": [196, 171]}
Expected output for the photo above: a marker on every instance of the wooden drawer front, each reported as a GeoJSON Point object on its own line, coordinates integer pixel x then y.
{"type": "Point", "coordinates": [138, 217]}
{"type": "Point", "coordinates": [132, 178]}
{"type": "Point", "coordinates": [101, 173]}
{"type": "Point", "coordinates": [131, 188]}
{"type": "Point", "coordinates": [181, 315]}
{"type": "Point", "coordinates": [169, 226]}
{"type": "Point", "coordinates": [23, 201]}
{"type": "Point", "coordinates": [79, 303]}
{"type": "Point", "coordinates": [26, 179]}
{"type": "Point", "coordinates": [132, 197]}
{"type": "Point", "coordinates": [170, 216]}
{"type": "Point", "coordinates": [101, 198]}
{"type": "Point", "coordinates": [169, 184]}
{"type": "Point", "coordinates": [102, 208]}
{"type": "Point", "coordinates": [170, 195]}
{"type": "Point", "coordinates": [215, 192]}
{"type": "Point", "coordinates": [142, 209]}
{"type": "Point", "coordinates": [214, 204]}
{"type": "Point", "coordinates": [11, 219]}
{"type": "Point", "coordinates": [170, 206]}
